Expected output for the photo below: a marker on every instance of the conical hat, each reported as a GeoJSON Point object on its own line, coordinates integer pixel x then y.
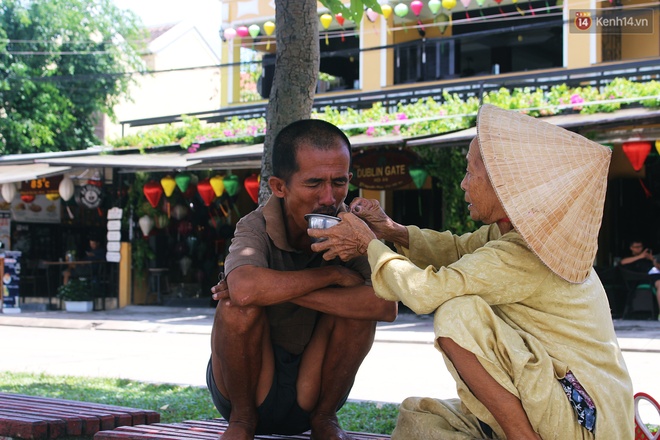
{"type": "Point", "coordinates": [551, 183]}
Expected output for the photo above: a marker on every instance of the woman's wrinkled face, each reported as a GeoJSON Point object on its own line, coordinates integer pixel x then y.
{"type": "Point", "coordinates": [483, 203]}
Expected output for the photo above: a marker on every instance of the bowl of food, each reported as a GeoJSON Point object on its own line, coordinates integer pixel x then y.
{"type": "Point", "coordinates": [320, 221]}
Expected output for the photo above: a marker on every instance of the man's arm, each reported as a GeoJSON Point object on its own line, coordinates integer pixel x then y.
{"type": "Point", "coordinates": [335, 290]}
{"type": "Point", "coordinates": [358, 302]}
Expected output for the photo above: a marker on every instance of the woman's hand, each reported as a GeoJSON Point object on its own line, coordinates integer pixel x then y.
{"type": "Point", "coordinates": [347, 240]}
{"type": "Point", "coordinates": [372, 214]}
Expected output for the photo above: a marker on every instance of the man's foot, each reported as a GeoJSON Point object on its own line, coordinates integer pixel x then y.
{"type": "Point", "coordinates": [327, 429]}
{"type": "Point", "coordinates": [238, 431]}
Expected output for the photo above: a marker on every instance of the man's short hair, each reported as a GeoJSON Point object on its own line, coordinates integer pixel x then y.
{"type": "Point", "coordinates": [314, 133]}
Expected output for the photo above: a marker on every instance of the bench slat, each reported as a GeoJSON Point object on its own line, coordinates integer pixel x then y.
{"type": "Point", "coordinates": [32, 417]}
{"type": "Point", "coordinates": [200, 430]}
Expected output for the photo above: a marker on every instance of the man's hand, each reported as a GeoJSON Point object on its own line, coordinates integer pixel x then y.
{"type": "Point", "coordinates": [347, 240]}
{"type": "Point", "coordinates": [220, 291]}
{"type": "Point", "coordinates": [348, 277]}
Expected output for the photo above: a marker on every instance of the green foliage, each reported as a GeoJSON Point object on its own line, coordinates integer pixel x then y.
{"type": "Point", "coordinates": [352, 11]}
{"type": "Point", "coordinates": [77, 289]}
{"type": "Point", "coordinates": [175, 403]}
{"type": "Point", "coordinates": [424, 117]}
{"type": "Point", "coordinates": [62, 64]}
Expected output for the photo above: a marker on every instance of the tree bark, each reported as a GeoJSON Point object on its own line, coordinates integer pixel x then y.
{"type": "Point", "coordinates": [296, 72]}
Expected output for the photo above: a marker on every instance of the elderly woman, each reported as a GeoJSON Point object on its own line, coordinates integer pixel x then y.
{"type": "Point", "coordinates": [521, 317]}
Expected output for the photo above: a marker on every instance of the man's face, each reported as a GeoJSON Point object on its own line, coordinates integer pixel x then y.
{"type": "Point", "coordinates": [483, 203]}
{"type": "Point", "coordinates": [319, 186]}
{"type": "Point", "coordinates": [637, 248]}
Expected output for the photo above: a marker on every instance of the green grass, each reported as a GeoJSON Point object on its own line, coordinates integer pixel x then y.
{"type": "Point", "coordinates": [174, 403]}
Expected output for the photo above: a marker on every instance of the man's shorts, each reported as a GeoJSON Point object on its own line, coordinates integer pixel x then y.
{"type": "Point", "coordinates": [279, 413]}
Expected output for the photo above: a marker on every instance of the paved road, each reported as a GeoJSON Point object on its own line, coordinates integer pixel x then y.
{"type": "Point", "coordinates": [172, 346]}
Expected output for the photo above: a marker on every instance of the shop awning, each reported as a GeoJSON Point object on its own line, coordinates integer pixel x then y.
{"type": "Point", "coordinates": [133, 161]}
{"type": "Point", "coordinates": [600, 122]}
{"type": "Point", "coordinates": [20, 173]}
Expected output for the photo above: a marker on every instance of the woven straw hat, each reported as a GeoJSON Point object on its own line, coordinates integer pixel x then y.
{"type": "Point", "coordinates": [551, 183]}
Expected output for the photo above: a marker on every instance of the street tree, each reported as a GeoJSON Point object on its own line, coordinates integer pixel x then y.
{"type": "Point", "coordinates": [63, 63]}
{"type": "Point", "coordinates": [297, 67]}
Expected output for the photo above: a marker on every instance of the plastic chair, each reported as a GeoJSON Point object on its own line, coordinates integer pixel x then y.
{"type": "Point", "coordinates": [640, 294]}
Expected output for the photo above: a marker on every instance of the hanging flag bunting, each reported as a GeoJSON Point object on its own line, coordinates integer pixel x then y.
{"type": "Point", "coordinates": [269, 28]}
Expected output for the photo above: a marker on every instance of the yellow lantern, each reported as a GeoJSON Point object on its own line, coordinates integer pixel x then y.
{"type": "Point", "coordinates": [218, 185]}
{"type": "Point", "coordinates": [52, 196]}
{"type": "Point", "coordinates": [448, 4]}
{"type": "Point", "coordinates": [387, 10]}
{"type": "Point", "coordinates": [326, 19]}
{"type": "Point", "coordinates": [269, 28]}
{"type": "Point", "coordinates": [168, 183]}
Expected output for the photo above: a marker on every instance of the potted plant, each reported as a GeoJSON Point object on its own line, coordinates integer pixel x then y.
{"type": "Point", "coordinates": [77, 295]}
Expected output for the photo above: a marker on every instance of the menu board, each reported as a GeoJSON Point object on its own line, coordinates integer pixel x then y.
{"type": "Point", "coordinates": [10, 282]}
{"type": "Point", "coordinates": [39, 210]}
{"type": "Point", "coordinates": [5, 229]}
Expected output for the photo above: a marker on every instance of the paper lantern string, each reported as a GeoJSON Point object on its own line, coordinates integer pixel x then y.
{"type": "Point", "coordinates": [340, 19]}
{"type": "Point", "coordinates": [269, 28]}
{"type": "Point", "coordinates": [326, 19]}
{"type": "Point", "coordinates": [520, 11]}
{"type": "Point", "coordinates": [416, 7]}
{"type": "Point", "coordinates": [401, 10]}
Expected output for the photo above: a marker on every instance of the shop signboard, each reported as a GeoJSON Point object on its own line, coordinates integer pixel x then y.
{"type": "Point", "coordinates": [10, 282]}
{"type": "Point", "coordinates": [36, 209]}
{"type": "Point", "coordinates": [114, 235]}
{"type": "Point", "coordinates": [41, 186]}
{"type": "Point", "coordinates": [5, 229]}
{"type": "Point", "coordinates": [383, 168]}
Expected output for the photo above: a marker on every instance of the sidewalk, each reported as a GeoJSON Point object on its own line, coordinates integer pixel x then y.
{"type": "Point", "coordinates": [640, 336]}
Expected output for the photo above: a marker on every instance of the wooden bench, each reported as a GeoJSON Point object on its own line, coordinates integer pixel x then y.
{"type": "Point", "coordinates": [200, 430]}
{"type": "Point", "coordinates": [31, 417]}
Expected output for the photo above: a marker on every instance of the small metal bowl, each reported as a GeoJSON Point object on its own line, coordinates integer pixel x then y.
{"type": "Point", "coordinates": [320, 221]}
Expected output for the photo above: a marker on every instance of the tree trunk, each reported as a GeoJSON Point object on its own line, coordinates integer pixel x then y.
{"type": "Point", "coordinates": [296, 72]}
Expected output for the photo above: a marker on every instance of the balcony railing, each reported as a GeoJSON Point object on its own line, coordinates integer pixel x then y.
{"type": "Point", "coordinates": [595, 76]}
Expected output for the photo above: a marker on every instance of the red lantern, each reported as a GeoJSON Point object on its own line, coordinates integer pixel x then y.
{"type": "Point", "coordinates": [637, 152]}
{"type": "Point", "coordinates": [153, 191]}
{"type": "Point", "coordinates": [206, 192]}
{"type": "Point", "coordinates": [251, 184]}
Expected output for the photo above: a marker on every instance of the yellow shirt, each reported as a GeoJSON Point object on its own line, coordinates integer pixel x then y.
{"type": "Point", "coordinates": [571, 321]}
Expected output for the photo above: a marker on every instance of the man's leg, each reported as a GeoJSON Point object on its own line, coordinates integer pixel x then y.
{"type": "Point", "coordinates": [504, 406]}
{"type": "Point", "coordinates": [242, 363]}
{"type": "Point", "coordinates": [328, 368]}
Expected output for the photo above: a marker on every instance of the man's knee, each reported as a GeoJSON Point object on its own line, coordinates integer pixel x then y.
{"type": "Point", "coordinates": [238, 320]}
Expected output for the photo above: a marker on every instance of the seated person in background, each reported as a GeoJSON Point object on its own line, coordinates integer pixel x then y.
{"type": "Point", "coordinates": [290, 329]}
{"type": "Point", "coordinates": [96, 252]}
{"type": "Point", "coordinates": [641, 259]}
{"type": "Point", "coordinates": [521, 318]}
{"type": "Point", "coordinates": [654, 274]}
